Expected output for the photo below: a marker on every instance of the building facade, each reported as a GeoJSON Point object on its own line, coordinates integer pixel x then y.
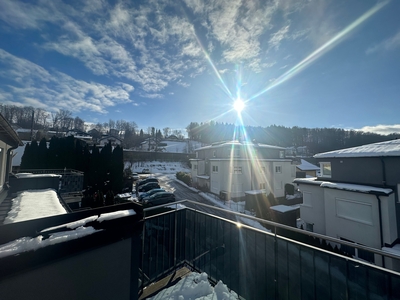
{"type": "Point", "coordinates": [356, 197]}
{"type": "Point", "coordinates": [236, 167]}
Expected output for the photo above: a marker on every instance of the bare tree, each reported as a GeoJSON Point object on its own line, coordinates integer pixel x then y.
{"type": "Point", "coordinates": [166, 131]}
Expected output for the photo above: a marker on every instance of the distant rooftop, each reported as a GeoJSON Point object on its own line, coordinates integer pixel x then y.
{"type": "Point", "coordinates": [237, 143]}
{"type": "Point", "coordinates": [306, 166]}
{"type": "Point", "coordinates": [388, 148]}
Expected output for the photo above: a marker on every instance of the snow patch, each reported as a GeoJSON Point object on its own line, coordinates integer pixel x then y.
{"type": "Point", "coordinates": [196, 286]}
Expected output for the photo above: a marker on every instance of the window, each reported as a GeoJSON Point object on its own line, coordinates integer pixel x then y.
{"type": "Point", "coordinates": [325, 169]}
{"type": "Point", "coordinates": [262, 170]}
{"type": "Point", "coordinates": [237, 170]}
{"type": "Point", "coordinates": [278, 169]}
{"type": "Point", "coordinates": [263, 186]}
{"type": "Point", "coordinates": [214, 153]}
{"type": "Point", "coordinates": [197, 154]}
{"type": "Point", "coordinates": [194, 167]}
{"type": "Point", "coordinates": [281, 154]}
{"type": "Point", "coordinates": [310, 227]}
{"type": "Point", "coordinates": [215, 169]}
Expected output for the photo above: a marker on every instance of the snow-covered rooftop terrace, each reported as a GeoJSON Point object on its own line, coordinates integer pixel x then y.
{"type": "Point", "coordinates": [33, 204]}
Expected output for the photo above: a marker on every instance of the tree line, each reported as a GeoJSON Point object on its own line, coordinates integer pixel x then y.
{"type": "Point", "coordinates": [63, 120]}
{"type": "Point", "coordinates": [102, 169]}
{"type": "Point", "coordinates": [316, 140]}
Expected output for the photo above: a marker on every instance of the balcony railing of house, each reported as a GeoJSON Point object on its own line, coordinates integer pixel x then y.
{"type": "Point", "coordinates": [71, 180]}
{"type": "Point", "coordinates": [257, 264]}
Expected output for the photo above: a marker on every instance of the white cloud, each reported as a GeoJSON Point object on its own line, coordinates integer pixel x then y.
{"type": "Point", "coordinates": [33, 85]}
{"type": "Point", "coordinates": [389, 44]}
{"type": "Point", "coordinates": [382, 129]}
{"type": "Point", "coordinates": [278, 36]}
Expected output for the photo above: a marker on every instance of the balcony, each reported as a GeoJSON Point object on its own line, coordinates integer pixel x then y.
{"type": "Point", "coordinates": [148, 246]}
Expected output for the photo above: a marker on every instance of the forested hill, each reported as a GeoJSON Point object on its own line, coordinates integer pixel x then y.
{"type": "Point", "coordinates": [316, 139]}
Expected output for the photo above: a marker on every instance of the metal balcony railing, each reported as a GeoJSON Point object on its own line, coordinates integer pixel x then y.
{"type": "Point", "coordinates": [257, 264]}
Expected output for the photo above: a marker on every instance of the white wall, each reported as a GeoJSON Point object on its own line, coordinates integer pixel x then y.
{"type": "Point", "coordinates": [353, 216]}
{"type": "Point", "coordinates": [312, 210]}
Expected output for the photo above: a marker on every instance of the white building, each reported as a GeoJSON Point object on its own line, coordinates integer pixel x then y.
{"type": "Point", "coordinates": [356, 197]}
{"type": "Point", "coordinates": [235, 167]}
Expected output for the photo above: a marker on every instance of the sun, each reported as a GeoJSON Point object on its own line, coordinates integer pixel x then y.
{"type": "Point", "coordinates": [238, 105]}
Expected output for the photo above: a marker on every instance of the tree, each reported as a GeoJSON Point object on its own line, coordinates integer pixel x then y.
{"type": "Point", "coordinates": [166, 131]}
{"type": "Point", "coordinates": [79, 124]}
{"type": "Point", "coordinates": [117, 169]}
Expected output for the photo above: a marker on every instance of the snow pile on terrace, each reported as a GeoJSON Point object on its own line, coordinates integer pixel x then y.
{"type": "Point", "coordinates": [388, 148]}
{"type": "Point", "coordinates": [196, 286]}
{"type": "Point", "coordinates": [34, 204]}
{"type": "Point", "coordinates": [25, 244]}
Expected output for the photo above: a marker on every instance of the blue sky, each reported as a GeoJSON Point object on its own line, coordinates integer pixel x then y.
{"type": "Point", "coordinates": [314, 63]}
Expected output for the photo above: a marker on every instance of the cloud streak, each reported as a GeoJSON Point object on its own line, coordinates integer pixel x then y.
{"type": "Point", "coordinates": [33, 85]}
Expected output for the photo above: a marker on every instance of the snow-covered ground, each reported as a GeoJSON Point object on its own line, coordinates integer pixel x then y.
{"type": "Point", "coordinates": [158, 167]}
{"type": "Point", "coordinates": [196, 286]}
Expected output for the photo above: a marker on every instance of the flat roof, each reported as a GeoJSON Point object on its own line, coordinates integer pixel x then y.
{"type": "Point", "coordinates": [387, 148]}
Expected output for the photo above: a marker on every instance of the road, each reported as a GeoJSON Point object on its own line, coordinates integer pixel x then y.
{"type": "Point", "coordinates": [184, 193]}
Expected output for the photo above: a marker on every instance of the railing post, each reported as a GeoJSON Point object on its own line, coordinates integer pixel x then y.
{"type": "Point", "coordinates": [175, 233]}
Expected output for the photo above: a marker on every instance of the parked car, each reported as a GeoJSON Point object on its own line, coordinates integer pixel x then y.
{"type": "Point", "coordinates": [159, 199]}
{"type": "Point", "coordinates": [135, 176]}
{"type": "Point", "coordinates": [146, 171]}
{"type": "Point", "coordinates": [148, 186]}
{"type": "Point", "coordinates": [149, 193]}
{"type": "Point", "coordinates": [144, 181]}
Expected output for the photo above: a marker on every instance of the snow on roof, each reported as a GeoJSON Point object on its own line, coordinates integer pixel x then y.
{"type": "Point", "coordinates": [237, 143]}
{"type": "Point", "coordinates": [284, 208]}
{"type": "Point", "coordinates": [203, 176]}
{"type": "Point", "coordinates": [356, 188]}
{"type": "Point", "coordinates": [345, 186]}
{"type": "Point", "coordinates": [255, 192]}
{"type": "Point", "coordinates": [388, 148]}
{"type": "Point", "coordinates": [33, 204]}
{"type": "Point", "coordinates": [30, 175]}
{"type": "Point", "coordinates": [306, 166]}
{"type": "Point", "coordinates": [308, 180]}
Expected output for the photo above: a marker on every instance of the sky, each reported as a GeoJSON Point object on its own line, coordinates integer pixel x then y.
{"type": "Point", "coordinates": [159, 63]}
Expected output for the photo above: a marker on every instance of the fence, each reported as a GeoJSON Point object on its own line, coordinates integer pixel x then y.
{"type": "Point", "coordinates": [258, 264]}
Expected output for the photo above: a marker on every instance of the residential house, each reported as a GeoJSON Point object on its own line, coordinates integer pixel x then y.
{"type": "Point", "coordinates": [235, 167]}
{"type": "Point", "coordinates": [307, 168]}
{"type": "Point", "coordinates": [9, 141]}
{"type": "Point", "coordinates": [106, 139]}
{"type": "Point", "coordinates": [356, 197]}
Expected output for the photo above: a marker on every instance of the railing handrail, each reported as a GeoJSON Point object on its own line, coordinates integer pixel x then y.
{"type": "Point", "coordinates": [276, 225]}
{"type": "Point", "coordinates": [48, 171]}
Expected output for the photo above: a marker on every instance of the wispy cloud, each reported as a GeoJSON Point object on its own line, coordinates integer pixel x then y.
{"type": "Point", "coordinates": [33, 85]}
{"type": "Point", "coordinates": [389, 44]}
